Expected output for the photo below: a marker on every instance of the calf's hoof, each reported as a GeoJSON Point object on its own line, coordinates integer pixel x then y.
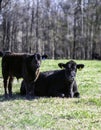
{"type": "Point", "coordinates": [6, 96]}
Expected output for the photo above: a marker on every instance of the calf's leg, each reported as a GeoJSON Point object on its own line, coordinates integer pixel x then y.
{"type": "Point", "coordinates": [5, 87]}
{"type": "Point", "coordinates": [29, 90]}
{"type": "Point", "coordinates": [10, 86]}
{"type": "Point", "coordinates": [23, 89]}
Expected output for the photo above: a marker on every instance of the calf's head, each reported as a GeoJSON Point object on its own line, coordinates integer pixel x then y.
{"type": "Point", "coordinates": [35, 60]}
{"type": "Point", "coordinates": [70, 69]}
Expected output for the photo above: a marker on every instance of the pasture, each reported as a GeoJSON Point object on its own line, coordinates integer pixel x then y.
{"type": "Point", "coordinates": [56, 113]}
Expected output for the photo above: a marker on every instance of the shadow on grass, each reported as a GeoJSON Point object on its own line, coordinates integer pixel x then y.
{"type": "Point", "coordinates": [16, 96]}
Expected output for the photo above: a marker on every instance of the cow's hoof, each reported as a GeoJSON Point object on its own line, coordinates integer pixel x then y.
{"type": "Point", "coordinates": [69, 96]}
{"type": "Point", "coordinates": [76, 95]}
{"type": "Point", "coordinates": [29, 97]}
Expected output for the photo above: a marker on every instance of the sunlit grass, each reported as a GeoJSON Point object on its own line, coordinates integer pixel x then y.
{"type": "Point", "coordinates": [56, 113]}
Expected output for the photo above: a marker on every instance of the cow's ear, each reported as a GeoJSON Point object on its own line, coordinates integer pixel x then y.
{"type": "Point", "coordinates": [80, 66]}
{"type": "Point", "coordinates": [44, 57]}
{"type": "Point", "coordinates": [61, 65]}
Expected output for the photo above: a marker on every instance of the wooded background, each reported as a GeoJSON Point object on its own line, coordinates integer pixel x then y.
{"type": "Point", "coordinates": [58, 28]}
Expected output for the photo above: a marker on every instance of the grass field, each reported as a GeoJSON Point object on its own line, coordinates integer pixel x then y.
{"type": "Point", "coordinates": [56, 113]}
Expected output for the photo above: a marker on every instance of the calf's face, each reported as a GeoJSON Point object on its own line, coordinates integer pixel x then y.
{"type": "Point", "coordinates": [70, 69]}
{"type": "Point", "coordinates": [36, 60]}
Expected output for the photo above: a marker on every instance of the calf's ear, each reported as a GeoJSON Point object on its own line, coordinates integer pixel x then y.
{"type": "Point", "coordinates": [61, 65]}
{"type": "Point", "coordinates": [44, 57]}
{"type": "Point", "coordinates": [80, 66]}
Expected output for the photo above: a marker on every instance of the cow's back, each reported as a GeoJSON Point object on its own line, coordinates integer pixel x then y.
{"type": "Point", "coordinates": [47, 79]}
{"type": "Point", "coordinates": [12, 65]}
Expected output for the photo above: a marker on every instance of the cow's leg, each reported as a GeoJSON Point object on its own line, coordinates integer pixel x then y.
{"type": "Point", "coordinates": [32, 86]}
{"type": "Point", "coordinates": [69, 90]}
{"type": "Point", "coordinates": [76, 94]}
{"type": "Point", "coordinates": [5, 86]}
{"type": "Point", "coordinates": [29, 90]}
{"type": "Point", "coordinates": [10, 86]}
{"type": "Point", "coordinates": [69, 94]}
{"type": "Point", "coordinates": [23, 88]}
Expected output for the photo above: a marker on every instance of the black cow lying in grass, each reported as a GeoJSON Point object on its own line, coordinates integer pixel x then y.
{"type": "Point", "coordinates": [1, 53]}
{"type": "Point", "coordinates": [4, 53]}
{"type": "Point", "coordinates": [58, 83]}
{"type": "Point", "coordinates": [24, 66]}
{"type": "Point", "coordinates": [96, 56]}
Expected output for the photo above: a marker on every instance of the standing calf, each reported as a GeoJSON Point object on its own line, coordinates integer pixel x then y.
{"type": "Point", "coordinates": [24, 66]}
{"type": "Point", "coordinates": [58, 83]}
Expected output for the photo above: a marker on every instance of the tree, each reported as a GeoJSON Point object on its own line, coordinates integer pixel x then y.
{"type": "Point", "coordinates": [61, 29]}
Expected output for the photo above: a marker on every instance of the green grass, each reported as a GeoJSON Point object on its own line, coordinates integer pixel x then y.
{"type": "Point", "coordinates": [56, 113]}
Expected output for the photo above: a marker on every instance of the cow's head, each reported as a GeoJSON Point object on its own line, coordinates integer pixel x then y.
{"type": "Point", "coordinates": [70, 69]}
{"type": "Point", "coordinates": [35, 60]}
